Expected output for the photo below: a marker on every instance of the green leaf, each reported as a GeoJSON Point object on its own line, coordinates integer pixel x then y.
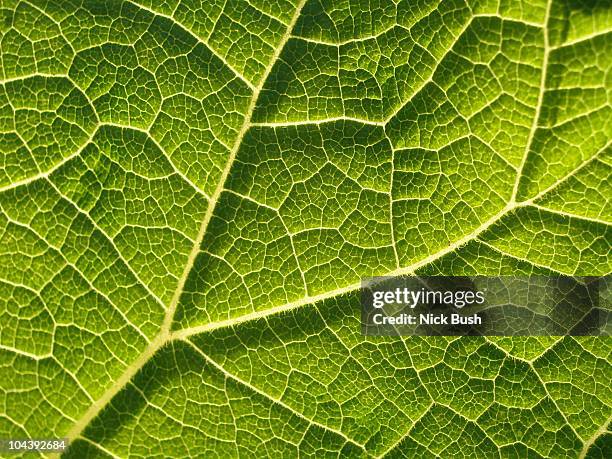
{"type": "Point", "coordinates": [191, 191]}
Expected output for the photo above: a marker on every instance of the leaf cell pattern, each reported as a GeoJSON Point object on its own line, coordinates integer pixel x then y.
{"type": "Point", "coordinates": [191, 191]}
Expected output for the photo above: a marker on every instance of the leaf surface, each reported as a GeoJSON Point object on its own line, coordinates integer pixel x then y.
{"type": "Point", "coordinates": [192, 190]}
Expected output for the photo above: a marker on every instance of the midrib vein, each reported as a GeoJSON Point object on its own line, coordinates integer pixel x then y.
{"type": "Point", "coordinates": [538, 108]}
{"type": "Point", "coordinates": [164, 335]}
{"type": "Point", "coordinates": [221, 184]}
